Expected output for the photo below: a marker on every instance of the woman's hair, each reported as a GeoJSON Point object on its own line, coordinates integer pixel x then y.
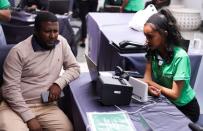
{"type": "Point", "coordinates": [165, 21]}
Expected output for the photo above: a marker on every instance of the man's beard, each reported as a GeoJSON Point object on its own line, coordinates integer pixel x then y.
{"type": "Point", "coordinates": [46, 45]}
{"type": "Point", "coordinates": [51, 45]}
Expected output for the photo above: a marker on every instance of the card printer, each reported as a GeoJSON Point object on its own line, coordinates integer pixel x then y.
{"type": "Point", "coordinates": [113, 90]}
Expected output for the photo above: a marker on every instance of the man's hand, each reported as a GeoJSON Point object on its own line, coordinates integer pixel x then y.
{"type": "Point", "coordinates": [54, 92]}
{"type": "Point", "coordinates": [154, 91]}
{"type": "Point", "coordinates": [34, 125]}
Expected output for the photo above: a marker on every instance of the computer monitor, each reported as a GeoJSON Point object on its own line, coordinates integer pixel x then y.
{"type": "Point", "coordinates": [59, 6]}
{"type": "Point", "coordinates": [92, 68]}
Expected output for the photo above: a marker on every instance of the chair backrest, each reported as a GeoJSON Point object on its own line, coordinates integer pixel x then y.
{"type": "Point", "coordinates": [59, 6]}
{"type": "Point", "coordinates": [4, 51]}
{"type": "Point", "coordinates": [16, 33]}
{"type": "Point", "coordinates": [185, 44]}
{"type": "Point", "coordinates": [12, 2]}
{"type": "Point", "coordinates": [2, 37]}
{"type": "Point", "coordinates": [200, 121]}
{"type": "Point", "coordinates": [41, 4]}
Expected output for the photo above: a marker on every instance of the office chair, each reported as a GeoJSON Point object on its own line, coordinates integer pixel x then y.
{"type": "Point", "coordinates": [185, 44]}
{"type": "Point", "coordinates": [16, 33]}
{"type": "Point", "coordinates": [12, 2]}
{"type": "Point", "coordinates": [59, 6]}
{"type": "Point", "coordinates": [195, 127]}
{"type": "Point", "coordinates": [2, 37]}
{"type": "Point", "coordinates": [4, 51]}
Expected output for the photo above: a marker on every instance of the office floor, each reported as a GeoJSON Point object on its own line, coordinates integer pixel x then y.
{"type": "Point", "coordinates": [81, 58]}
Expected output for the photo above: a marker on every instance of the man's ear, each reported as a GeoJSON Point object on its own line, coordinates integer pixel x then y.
{"type": "Point", "coordinates": [35, 32]}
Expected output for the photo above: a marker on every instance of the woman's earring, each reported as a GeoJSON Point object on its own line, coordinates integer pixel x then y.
{"type": "Point", "coordinates": [166, 33]}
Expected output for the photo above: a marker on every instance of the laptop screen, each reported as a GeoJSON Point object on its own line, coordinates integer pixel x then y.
{"type": "Point", "coordinates": [92, 68]}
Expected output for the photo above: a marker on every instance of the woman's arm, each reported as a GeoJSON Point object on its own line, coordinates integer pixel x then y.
{"type": "Point", "coordinates": [125, 2]}
{"type": "Point", "coordinates": [148, 77]}
{"type": "Point", "coordinates": [148, 72]}
{"type": "Point", "coordinates": [172, 93]}
{"type": "Point", "coordinates": [5, 15]}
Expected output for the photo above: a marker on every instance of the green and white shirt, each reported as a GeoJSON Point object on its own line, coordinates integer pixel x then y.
{"type": "Point", "coordinates": [134, 5]}
{"type": "Point", "coordinates": [4, 4]}
{"type": "Point", "coordinates": [178, 69]}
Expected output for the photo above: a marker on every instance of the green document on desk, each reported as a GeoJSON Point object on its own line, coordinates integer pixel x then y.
{"type": "Point", "coordinates": [110, 121]}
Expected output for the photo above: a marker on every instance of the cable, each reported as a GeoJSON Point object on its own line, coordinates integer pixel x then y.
{"type": "Point", "coordinates": [159, 100]}
{"type": "Point", "coordinates": [136, 110]}
{"type": "Point", "coordinates": [88, 128]}
{"type": "Point", "coordinates": [159, 111]}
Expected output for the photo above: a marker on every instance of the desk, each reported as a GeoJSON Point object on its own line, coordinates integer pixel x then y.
{"type": "Point", "coordinates": [104, 53]}
{"type": "Point", "coordinates": [95, 21]}
{"type": "Point", "coordinates": [162, 116]}
{"type": "Point", "coordinates": [198, 86]}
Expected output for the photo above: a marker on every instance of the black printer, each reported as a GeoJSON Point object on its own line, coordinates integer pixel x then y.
{"type": "Point", "coordinates": [112, 87]}
{"type": "Point", "coordinates": [113, 90]}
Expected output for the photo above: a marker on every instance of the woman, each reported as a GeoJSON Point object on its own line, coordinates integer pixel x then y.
{"type": "Point", "coordinates": [132, 6]}
{"type": "Point", "coordinates": [169, 64]}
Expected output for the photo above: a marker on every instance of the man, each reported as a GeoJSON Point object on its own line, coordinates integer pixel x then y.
{"type": "Point", "coordinates": [34, 4]}
{"type": "Point", "coordinates": [31, 68]}
{"type": "Point", "coordinates": [5, 16]}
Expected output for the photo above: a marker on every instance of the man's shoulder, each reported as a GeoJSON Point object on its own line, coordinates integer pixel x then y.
{"type": "Point", "coordinates": [61, 39]}
{"type": "Point", "coordinates": [24, 46]}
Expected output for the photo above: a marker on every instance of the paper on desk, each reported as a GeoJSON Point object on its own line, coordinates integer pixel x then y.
{"type": "Point", "coordinates": [110, 121]}
{"type": "Point", "coordinates": [141, 17]}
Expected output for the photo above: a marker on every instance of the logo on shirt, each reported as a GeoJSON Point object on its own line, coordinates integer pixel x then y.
{"type": "Point", "coordinates": [169, 76]}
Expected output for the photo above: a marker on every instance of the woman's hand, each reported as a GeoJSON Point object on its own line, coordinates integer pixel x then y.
{"type": "Point", "coordinates": [153, 88]}
{"type": "Point", "coordinates": [154, 91]}
{"type": "Point", "coordinates": [172, 93]}
{"type": "Point", "coordinates": [152, 83]}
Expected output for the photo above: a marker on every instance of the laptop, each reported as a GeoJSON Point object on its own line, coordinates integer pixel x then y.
{"type": "Point", "coordinates": [140, 89]}
{"type": "Point", "coordinates": [92, 68]}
